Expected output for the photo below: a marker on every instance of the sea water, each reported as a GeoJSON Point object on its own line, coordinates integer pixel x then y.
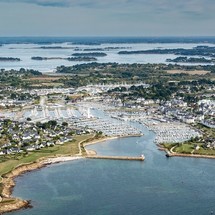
{"type": "Point", "coordinates": [157, 186]}
{"type": "Point", "coordinates": [26, 51]}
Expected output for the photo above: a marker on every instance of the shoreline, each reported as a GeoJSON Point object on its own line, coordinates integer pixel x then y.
{"type": "Point", "coordinates": [8, 182]}
{"type": "Point", "coordinates": [8, 203]}
{"type": "Point", "coordinates": [170, 153]}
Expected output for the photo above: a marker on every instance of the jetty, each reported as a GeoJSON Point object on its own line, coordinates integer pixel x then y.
{"type": "Point", "coordinates": [140, 158]}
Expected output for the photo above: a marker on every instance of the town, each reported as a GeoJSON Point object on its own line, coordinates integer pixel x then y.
{"type": "Point", "coordinates": [178, 116]}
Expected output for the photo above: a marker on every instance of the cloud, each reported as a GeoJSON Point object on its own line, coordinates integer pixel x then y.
{"type": "Point", "coordinates": [197, 6]}
{"type": "Point", "coordinates": [110, 17]}
{"type": "Point", "coordinates": [67, 3]}
{"type": "Point", "coordinates": [182, 8]}
{"type": "Point", "coordinates": [50, 3]}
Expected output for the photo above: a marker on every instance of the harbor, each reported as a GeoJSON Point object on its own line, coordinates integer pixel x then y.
{"type": "Point", "coordinates": [125, 182]}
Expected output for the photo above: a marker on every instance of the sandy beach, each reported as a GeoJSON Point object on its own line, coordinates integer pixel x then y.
{"type": "Point", "coordinates": [61, 159]}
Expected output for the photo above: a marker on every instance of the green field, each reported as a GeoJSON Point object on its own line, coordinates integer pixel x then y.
{"type": "Point", "coordinates": [189, 148]}
{"type": "Point", "coordinates": [8, 163]}
{"type": "Point", "coordinates": [184, 148]}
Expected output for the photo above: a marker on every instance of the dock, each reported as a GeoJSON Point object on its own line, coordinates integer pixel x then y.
{"type": "Point", "coordinates": [140, 158]}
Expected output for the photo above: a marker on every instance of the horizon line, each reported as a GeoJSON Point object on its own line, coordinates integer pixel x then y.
{"type": "Point", "coordinates": [108, 36]}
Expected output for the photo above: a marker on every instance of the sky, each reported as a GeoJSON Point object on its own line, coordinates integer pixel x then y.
{"type": "Point", "coordinates": [107, 17]}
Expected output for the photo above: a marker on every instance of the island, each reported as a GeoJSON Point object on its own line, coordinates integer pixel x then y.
{"type": "Point", "coordinates": [82, 58]}
{"type": "Point", "coordinates": [190, 60]}
{"type": "Point", "coordinates": [206, 51]}
{"type": "Point", "coordinates": [90, 54]}
{"type": "Point", "coordinates": [94, 49]}
{"type": "Point", "coordinates": [69, 58]}
{"type": "Point", "coordinates": [11, 59]}
{"type": "Point", "coordinates": [54, 47]}
{"type": "Point", "coordinates": [47, 58]}
{"type": "Point", "coordinates": [105, 49]}
{"type": "Point", "coordinates": [87, 43]}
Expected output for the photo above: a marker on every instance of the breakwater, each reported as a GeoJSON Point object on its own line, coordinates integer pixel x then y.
{"type": "Point", "coordinates": [140, 158]}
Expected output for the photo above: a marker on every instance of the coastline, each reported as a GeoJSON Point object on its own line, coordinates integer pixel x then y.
{"type": "Point", "coordinates": [8, 182]}
{"type": "Point", "coordinates": [8, 203]}
{"type": "Point", "coordinates": [170, 153]}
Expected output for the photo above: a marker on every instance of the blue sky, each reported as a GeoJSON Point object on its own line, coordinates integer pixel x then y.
{"type": "Point", "coordinates": [107, 18]}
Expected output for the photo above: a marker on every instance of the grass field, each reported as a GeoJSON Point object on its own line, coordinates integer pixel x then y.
{"type": "Point", "coordinates": [44, 78]}
{"type": "Point", "coordinates": [8, 163]}
{"type": "Point", "coordinates": [189, 149]}
{"type": "Point", "coordinates": [191, 72]}
{"type": "Point", "coordinates": [184, 148]}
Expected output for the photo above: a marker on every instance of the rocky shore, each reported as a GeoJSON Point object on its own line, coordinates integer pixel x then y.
{"type": "Point", "coordinates": [14, 205]}
{"type": "Point", "coordinates": [9, 203]}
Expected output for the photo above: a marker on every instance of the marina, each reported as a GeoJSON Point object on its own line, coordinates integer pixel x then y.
{"type": "Point", "coordinates": [117, 124]}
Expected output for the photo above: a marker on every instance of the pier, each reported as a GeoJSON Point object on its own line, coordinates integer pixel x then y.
{"type": "Point", "coordinates": [140, 158]}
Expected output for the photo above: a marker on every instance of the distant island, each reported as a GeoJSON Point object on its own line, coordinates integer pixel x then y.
{"type": "Point", "coordinates": [196, 51]}
{"type": "Point", "coordinates": [55, 47]}
{"type": "Point", "coordinates": [93, 49]}
{"type": "Point", "coordinates": [69, 58]}
{"type": "Point", "coordinates": [9, 59]}
{"type": "Point", "coordinates": [82, 59]}
{"type": "Point", "coordinates": [190, 60]}
{"type": "Point", "coordinates": [87, 43]}
{"type": "Point", "coordinates": [105, 49]}
{"type": "Point", "coordinates": [90, 54]}
{"type": "Point", "coordinates": [47, 58]}
{"type": "Point", "coordinates": [100, 49]}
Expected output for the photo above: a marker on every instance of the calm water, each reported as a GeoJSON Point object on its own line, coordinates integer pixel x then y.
{"type": "Point", "coordinates": [103, 187]}
{"type": "Point", "coordinates": [26, 51]}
